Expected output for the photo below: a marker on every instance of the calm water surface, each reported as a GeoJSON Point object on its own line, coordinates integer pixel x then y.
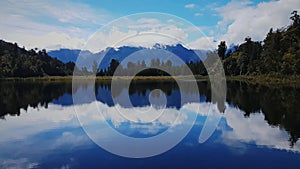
{"type": "Point", "coordinates": [260, 127]}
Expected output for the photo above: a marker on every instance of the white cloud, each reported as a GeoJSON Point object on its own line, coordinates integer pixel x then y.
{"type": "Point", "coordinates": [241, 18]}
{"type": "Point", "coordinates": [198, 14]}
{"type": "Point", "coordinates": [49, 24]}
{"type": "Point", "coordinates": [56, 116]}
{"type": "Point", "coordinates": [71, 140]}
{"type": "Point", "coordinates": [50, 41]}
{"type": "Point", "coordinates": [22, 163]}
{"type": "Point", "coordinates": [190, 6]}
{"type": "Point", "coordinates": [153, 116]}
{"type": "Point", "coordinates": [145, 32]}
{"type": "Point", "coordinates": [54, 24]}
{"type": "Point", "coordinates": [204, 43]}
{"type": "Point", "coordinates": [21, 127]}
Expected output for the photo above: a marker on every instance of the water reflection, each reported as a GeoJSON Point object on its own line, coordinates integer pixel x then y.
{"type": "Point", "coordinates": [254, 129]}
{"type": "Point", "coordinates": [256, 119]}
{"type": "Point", "coordinates": [21, 95]}
{"type": "Point", "coordinates": [278, 105]}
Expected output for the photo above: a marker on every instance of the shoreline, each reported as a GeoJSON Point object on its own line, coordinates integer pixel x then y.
{"type": "Point", "coordinates": [268, 80]}
{"type": "Point", "coordinates": [262, 79]}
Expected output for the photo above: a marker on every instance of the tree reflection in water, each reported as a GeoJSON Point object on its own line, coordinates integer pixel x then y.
{"type": "Point", "coordinates": [278, 104]}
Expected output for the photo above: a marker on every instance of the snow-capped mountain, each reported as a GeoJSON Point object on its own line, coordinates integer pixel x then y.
{"type": "Point", "coordinates": [162, 52]}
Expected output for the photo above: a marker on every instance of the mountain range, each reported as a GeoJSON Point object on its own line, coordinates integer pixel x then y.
{"type": "Point", "coordinates": [162, 52]}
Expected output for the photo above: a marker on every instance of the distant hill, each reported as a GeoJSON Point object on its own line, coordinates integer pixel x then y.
{"type": "Point", "coordinates": [65, 55]}
{"type": "Point", "coordinates": [158, 51]}
{"type": "Point", "coordinates": [19, 62]}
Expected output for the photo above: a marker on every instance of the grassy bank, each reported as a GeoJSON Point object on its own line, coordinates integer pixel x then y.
{"type": "Point", "coordinates": [99, 78]}
{"type": "Point", "coordinates": [268, 80]}
{"type": "Point", "coordinates": [151, 78]}
{"type": "Point", "coordinates": [38, 79]}
{"type": "Point", "coordinates": [263, 79]}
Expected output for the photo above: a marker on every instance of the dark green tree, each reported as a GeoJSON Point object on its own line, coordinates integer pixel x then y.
{"type": "Point", "coordinates": [222, 49]}
{"type": "Point", "coordinates": [113, 66]}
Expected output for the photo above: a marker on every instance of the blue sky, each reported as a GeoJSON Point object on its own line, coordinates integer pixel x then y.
{"type": "Point", "coordinates": [204, 8]}
{"type": "Point", "coordinates": [69, 24]}
{"type": "Point", "coordinates": [199, 12]}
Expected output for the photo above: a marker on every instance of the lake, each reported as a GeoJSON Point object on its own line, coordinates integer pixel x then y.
{"type": "Point", "coordinates": [41, 126]}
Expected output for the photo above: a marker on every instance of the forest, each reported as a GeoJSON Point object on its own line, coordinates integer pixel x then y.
{"type": "Point", "coordinates": [19, 62]}
{"type": "Point", "coordinates": [277, 54]}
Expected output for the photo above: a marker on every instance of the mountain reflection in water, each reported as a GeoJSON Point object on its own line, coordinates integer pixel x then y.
{"type": "Point", "coordinates": [38, 119]}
